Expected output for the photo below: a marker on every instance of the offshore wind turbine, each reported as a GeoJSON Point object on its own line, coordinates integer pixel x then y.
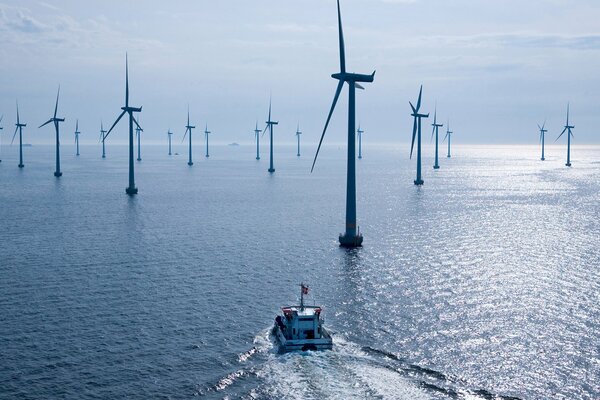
{"type": "Point", "coordinates": [1, 128]}
{"type": "Point", "coordinates": [102, 137]}
{"type": "Point", "coordinates": [138, 131]}
{"type": "Point", "coordinates": [449, 136]}
{"type": "Point", "coordinates": [567, 128]}
{"type": "Point", "coordinates": [77, 133]}
{"type": "Point", "coordinates": [257, 138]}
{"type": "Point", "coordinates": [436, 127]}
{"type": "Point", "coordinates": [269, 126]}
{"type": "Point", "coordinates": [56, 121]}
{"type": "Point", "coordinates": [359, 133]}
{"type": "Point", "coordinates": [188, 128]}
{"type": "Point", "coordinates": [169, 134]}
{"type": "Point", "coordinates": [206, 133]}
{"type": "Point", "coordinates": [543, 137]}
{"type": "Point", "coordinates": [19, 128]}
{"type": "Point", "coordinates": [417, 129]}
{"type": "Point", "coordinates": [298, 133]}
{"type": "Point", "coordinates": [352, 236]}
{"type": "Point", "coordinates": [131, 189]}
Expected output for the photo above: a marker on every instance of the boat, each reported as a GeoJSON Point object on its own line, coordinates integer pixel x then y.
{"type": "Point", "coordinates": [301, 327]}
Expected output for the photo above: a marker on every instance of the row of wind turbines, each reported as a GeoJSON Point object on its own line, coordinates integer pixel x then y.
{"type": "Point", "coordinates": [352, 236]}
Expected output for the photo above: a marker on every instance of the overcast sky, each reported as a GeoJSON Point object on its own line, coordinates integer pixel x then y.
{"type": "Point", "coordinates": [495, 68]}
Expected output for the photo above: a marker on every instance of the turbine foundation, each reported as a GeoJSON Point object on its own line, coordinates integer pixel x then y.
{"type": "Point", "coordinates": [419, 182]}
{"type": "Point", "coordinates": [21, 166]}
{"type": "Point", "coordinates": [568, 164]}
{"type": "Point", "coordinates": [350, 241]}
{"type": "Point", "coordinates": [190, 163]}
{"type": "Point", "coordinates": [436, 167]}
{"type": "Point", "coordinates": [57, 174]}
{"type": "Point", "coordinates": [271, 170]}
{"type": "Point", "coordinates": [131, 191]}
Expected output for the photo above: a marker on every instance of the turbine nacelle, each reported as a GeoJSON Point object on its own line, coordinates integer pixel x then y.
{"type": "Point", "coordinates": [131, 109]}
{"type": "Point", "coordinates": [351, 77]}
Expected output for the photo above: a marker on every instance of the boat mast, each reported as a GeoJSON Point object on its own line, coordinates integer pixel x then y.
{"type": "Point", "coordinates": [303, 291]}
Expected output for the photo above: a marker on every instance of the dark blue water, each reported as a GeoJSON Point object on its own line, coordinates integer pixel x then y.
{"type": "Point", "coordinates": [482, 284]}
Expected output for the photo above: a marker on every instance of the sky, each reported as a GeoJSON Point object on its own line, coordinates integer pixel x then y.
{"type": "Point", "coordinates": [496, 68]}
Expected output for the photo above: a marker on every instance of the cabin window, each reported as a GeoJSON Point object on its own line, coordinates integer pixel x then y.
{"type": "Point", "coordinates": [294, 331]}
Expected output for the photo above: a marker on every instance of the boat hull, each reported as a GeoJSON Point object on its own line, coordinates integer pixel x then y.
{"type": "Point", "coordinates": [289, 345]}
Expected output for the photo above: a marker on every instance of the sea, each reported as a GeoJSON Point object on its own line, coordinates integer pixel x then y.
{"type": "Point", "coordinates": [484, 283]}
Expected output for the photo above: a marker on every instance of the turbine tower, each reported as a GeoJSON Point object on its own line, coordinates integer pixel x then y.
{"type": "Point", "coordinates": [19, 128]}
{"type": "Point", "coordinates": [188, 128]}
{"type": "Point", "coordinates": [102, 137]}
{"type": "Point", "coordinates": [131, 189]}
{"type": "Point", "coordinates": [56, 121]}
{"type": "Point", "coordinates": [417, 128]}
{"type": "Point", "coordinates": [77, 133]}
{"type": "Point", "coordinates": [449, 136]}
{"type": "Point", "coordinates": [298, 133]}
{"type": "Point", "coordinates": [543, 137]}
{"type": "Point", "coordinates": [257, 138]}
{"type": "Point", "coordinates": [270, 127]}
{"type": "Point", "coordinates": [435, 130]}
{"type": "Point", "coordinates": [138, 131]}
{"type": "Point", "coordinates": [352, 236]}
{"type": "Point", "coordinates": [206, 133]}
{"type": "Point", "coordinates": [359, 132]}
{"type": "Point", "coordinates": [569, 134]}
{"type": "Point", "coordinates": [169, 134]}
{"type": "Point", "coordinates": [1, 128]}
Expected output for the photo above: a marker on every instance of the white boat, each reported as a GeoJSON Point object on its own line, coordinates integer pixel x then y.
{"type": "Point", "coordinates": [301, 327]}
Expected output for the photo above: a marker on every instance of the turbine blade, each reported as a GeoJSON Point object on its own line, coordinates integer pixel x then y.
{"type": "Point", "coordinates": [56, 106]}
{"type": "Point", "coordinates": [269, 109]}
{"type": "Point", "coordinates": [184, 135]}
{"type": "Point", "coordinates": [126, 81]}
{"type": "Point", "coordinates": [45, 123]}
{"type": "Point", "coordinates": [413, 107]}
{"type": "Point", "coordinates": [113, 125]}
{"type": "Point", "coordinates": [356, 85]}
{"type": "Point", "coordinates": [432, 133]}
{"type": "Point", "coordinates": [341, 40]}
{"type": "Point", "coordinates": [335, 99]}
{"type": "Point", "coordinates": [419, 101]}
{"type": "Point", "coordinates": [544, 125]}
{"type": "Point", "coordinates": [136, 123]}
{"type": "Point", "coordinates": [1, 117]}
{"type": "Point", "coordinates": [15, 134]}
{"type": "Point", "coordinates": [413, 136]}
{"type": "Point", "coordinates": [264, 130]}
{"type": "Point", "coordinates": [445, 138]}
{"type": "Point", "coordinates": [561, 134]}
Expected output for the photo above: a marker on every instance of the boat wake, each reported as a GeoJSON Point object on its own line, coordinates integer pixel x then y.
{"type": "Point", "coordinates": [347, 371]}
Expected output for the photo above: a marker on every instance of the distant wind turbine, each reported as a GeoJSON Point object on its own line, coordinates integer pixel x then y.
{"type": "Point", "coordinates": [449, 136]}
{"type": "Point", "coordinates": [352, 236]}
{"type": "Point", "coordinates": [77, 133]}
{"type": "Point", "coordinates": [257, 138]}
{"type": "Point", "coordinates": [56, 121]}
{"type": "Point", "coordinates": [19, 128]}
{"type": "Point", "coordinates": [131, 189]}
{"type": "Point", "coordinates": [417, 128]}
{"type": "Point", "coordinates": [298, 133]}
{"type": "Point", "coordinates": [569, 134]}
{"type": "Point", "coordinates": [359, 132]}
{"type": "Point", "coordinates": [543, 137]}
{"type": "Point", "coordinates": [206, 133]}
{"type": "Point", "coordinates": [188, 128]}
{"type": "Point", "coordinates": [102, 138]}
{"type": "Point", "coordinates": [138, 131]}
{"type": "Point", "coordinates": [435, 130]}
{"type": "Point", "coordinates": [1, 128]}
{"type": "Point", "coordinates": [169, 134]}
{"type": "Point", "coordinates": [269, 126]}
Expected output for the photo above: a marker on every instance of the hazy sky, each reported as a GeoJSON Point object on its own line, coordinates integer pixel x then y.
{"type": "Point", "coordinates": [496, 68]}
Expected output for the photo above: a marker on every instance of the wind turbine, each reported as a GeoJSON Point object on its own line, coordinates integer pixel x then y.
{"type": "Point", "coordinates": [206, 133]}
{"type": "Point", "coordinates": [359, 133]}
{"type": "Point", "coordinates": [102, 137]}
{"type": "Point", "coordinates": [138, 131]}
{"type": "Point", "coordinates": [449, 136]}
{"type": "Point", "coordinates": [567, 128]}
{"type": "Point", "coordinates": [1, 128]}
{"type": "Point", "coordinates": [19, 128]}
{"type": "Point", "coordinates": [257, 138]}
{"type": "Point", "coordinates": [56, 121]}
{"type": "Point", "coordinates": [188, 128]}
{"type": "Point", "coordinates": [169, 134]}
{"type": "Point", "coordinates": [352, 236]}
{"type": "Point", "coordinates": [77, 133]}
{"type": "Point", "coordinates": [435, 130]}
{"type": "Point", "coordinates": [131, 189]}
{"type": "Point", "coordinates": [417, 128]}
{"type": "Point", "coordinates": [543, 137]}
{"type": "Point", "coordinates": [270, 127]}
{"type": "Point", "coordinates": [298, 133]}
